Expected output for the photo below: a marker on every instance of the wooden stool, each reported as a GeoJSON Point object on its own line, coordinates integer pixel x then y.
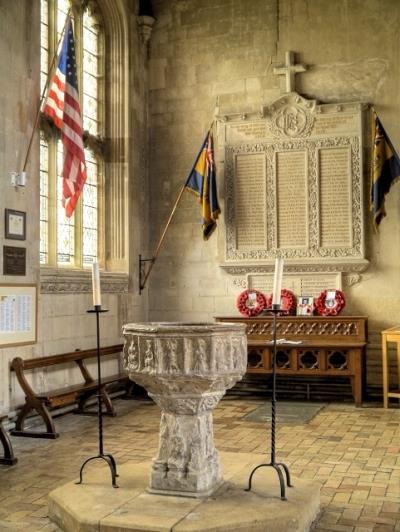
{"type": "Point", "coordinates": [8, 458]}
{"type": "Point", "coordinates": [390, 335]}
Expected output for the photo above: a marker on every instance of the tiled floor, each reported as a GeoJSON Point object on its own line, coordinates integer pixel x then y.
{"type": "Point", "coordinates": [353, 452]}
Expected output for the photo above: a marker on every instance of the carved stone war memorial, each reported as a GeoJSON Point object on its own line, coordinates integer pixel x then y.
{"type": "Point", "coordinates": [293, 174]}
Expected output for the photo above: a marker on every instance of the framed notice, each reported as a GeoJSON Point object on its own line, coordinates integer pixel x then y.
{"type": "Point", "coordinates": [18, 314]}
{"type": "Point", "coordinates": [15, 224]}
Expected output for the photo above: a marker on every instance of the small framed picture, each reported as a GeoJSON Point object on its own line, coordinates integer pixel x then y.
{"type": "Point", "coordinates": [305, 306]}
{"type": "Point", "coordinates": [15, 224]}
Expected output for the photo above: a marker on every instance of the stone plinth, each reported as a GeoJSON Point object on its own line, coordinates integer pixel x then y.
{"type": "Point", "coordinates": [186, 369]}
{"type": "Point", "coordinates": [95, 505]}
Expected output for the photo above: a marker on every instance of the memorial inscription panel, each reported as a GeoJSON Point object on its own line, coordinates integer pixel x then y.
{"type": "Point", "coordinates": [335, 196]}
{"type": "Point", "coordinates": [300, 284]}
{"type": "Point", "coordinates": [249, 201]}
{"type": "Point", "coordinates": [293, 186]}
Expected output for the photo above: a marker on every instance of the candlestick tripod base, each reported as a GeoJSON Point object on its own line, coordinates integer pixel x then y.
{"type": "Point", "coordinates": [279, 467]}
{"type": "Point", "coordinates": [108, 458]}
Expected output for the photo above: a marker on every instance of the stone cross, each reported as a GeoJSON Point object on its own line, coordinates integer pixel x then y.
{"type": "Point", "coordinates": [289, 69]}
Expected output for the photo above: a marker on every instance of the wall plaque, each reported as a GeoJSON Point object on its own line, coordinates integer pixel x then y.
{"type": "Point", "coordinates": [18, 311]}
{"type": "Point", "coordinates": [14, 260]}
{"type": "Point", "coordinates": [293, 179]}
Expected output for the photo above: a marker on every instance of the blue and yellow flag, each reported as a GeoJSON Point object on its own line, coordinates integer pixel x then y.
{"type": "Point", "coordinates": [385, 171]}
{"type": "Point", "coordinates": [202, 182]}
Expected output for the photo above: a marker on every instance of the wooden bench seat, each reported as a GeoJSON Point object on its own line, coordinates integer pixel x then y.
{"type": "Point", "coordinates": [8, 457]}
{"type": "Point", "coordinates": [76, 393]}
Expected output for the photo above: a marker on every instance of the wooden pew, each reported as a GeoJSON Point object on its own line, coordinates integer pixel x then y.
{"type": "Point", "coordinates": [76, 393]}
{"type": "Point", "coordinates": [8, 458]}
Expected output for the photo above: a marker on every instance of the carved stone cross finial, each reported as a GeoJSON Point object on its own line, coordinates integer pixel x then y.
{"type": "Point", "coordinates": [289, 69]}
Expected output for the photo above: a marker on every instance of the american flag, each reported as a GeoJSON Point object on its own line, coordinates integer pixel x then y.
{"type": "Point", "coordinates": [62, 106]}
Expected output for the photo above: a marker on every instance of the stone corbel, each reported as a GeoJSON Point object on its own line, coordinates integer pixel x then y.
{"type": "Point", "coordinates": [145, 24]}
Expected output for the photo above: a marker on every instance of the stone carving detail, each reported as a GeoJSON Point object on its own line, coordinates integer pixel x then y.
{"type": "Point", "coordinates": [290, 116]}
{"type": "Point", "coordinates": [149, 363]}
{"type": "Point", "coordinates": [344, 266]}
{"type": "Point", "coordinates": [352, 279]}
{"type": "Point", "coordinates": [200, 357]}
{"type": "Point", "coordinates": [65, 282]}
{"type": "Point", "coordinates": [186, 369]}
{"type": "Point", "coordinates": [240, 282]}
{"type": "Point", "coordinates": [316, 133]}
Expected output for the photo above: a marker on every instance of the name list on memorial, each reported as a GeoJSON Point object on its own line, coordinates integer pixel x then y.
{"type": "Point", "coordinates": [300, 285]}
{"type": "Point", "coordinates": [250, 201]}
{"type": "Point", "coordinates": [335, 196]}
{"type": "Point", "coordinates": [291, 186]}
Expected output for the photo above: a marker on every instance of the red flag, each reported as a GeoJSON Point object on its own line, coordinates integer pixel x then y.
{"type": "Point", "coordinates": [62, 106]}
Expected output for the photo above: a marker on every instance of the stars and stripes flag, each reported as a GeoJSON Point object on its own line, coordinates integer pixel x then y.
{"type": "Point", "coordinates": [62, 106]}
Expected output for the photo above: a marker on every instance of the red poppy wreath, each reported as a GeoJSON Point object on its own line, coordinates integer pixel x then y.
{"type": "Point", "coordinates": [330, 306]}
{"type": "Point", "coordinates": [288, 302]}
{"type": "Point", "coordinates": [250, 302]}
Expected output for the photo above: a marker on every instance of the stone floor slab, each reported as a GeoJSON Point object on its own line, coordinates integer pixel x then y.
{"type": "Point", "coordinates": [97, 507]}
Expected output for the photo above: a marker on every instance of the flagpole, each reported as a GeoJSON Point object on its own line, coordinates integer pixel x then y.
{"type": "Point", "coordinates": [46, 86]}
{"type": "Point", "coordinates": [161, 240]}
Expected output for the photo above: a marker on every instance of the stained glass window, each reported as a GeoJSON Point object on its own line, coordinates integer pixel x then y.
{"type": "Point", "coordinates": [71, 242]}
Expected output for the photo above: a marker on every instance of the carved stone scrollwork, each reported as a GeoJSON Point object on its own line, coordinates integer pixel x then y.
{"type": "Point", "coordinates": [56, 281]}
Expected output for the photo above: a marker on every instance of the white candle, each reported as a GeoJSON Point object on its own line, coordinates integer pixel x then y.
{"type": "Point", "coordinates": [96, 284]}
{"type": "Point", "coordinates": [276, 294]}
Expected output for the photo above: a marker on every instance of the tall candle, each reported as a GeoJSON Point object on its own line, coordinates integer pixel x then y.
{"type": "Point", "coordinates": [96, 284]}
{"type": "Point", "coordinates": [276, 294]}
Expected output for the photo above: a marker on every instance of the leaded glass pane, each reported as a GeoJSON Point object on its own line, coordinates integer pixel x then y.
{"type": "Point", "coordinates": [62, 10]}
{"type": "Point", "coordinates": [43, 238]}
{"type": "Point", "coordinates": [44, 43]}
{"type": "Point", "coordinates": [91, 125]}
{"type": "Point", "coordinates": [90, 85]}
{"type": "Point", "coordinates": [65, 226]}
{"type": "Point", "coordinates": [90, 63]}
{"type": "Point", "coordinates": [90, 75]}
{"type": "Point", "coordinates": [90, 212]}
{"type": "Point", "coordinates": [44, 201]}
{"type": "Point", "coordinates": [90, 35]}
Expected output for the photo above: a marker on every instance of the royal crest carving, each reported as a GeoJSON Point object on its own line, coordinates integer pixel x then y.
{"type": "Point", "coordinates": [291, 116]}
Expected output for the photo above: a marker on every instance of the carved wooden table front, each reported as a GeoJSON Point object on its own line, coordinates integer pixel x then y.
{"type": "Point", "coordinates": [333, 346]}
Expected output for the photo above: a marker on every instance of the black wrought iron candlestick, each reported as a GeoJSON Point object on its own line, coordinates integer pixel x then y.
{"type": "Point", "coordinates": [278, 466]}
{"type": "Point", "coordinates": [106, 457]}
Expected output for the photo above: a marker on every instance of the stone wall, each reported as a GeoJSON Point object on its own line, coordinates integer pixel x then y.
{"type": "Point", "coordinates": [63, 324]}
{"type": "Point", "coordinates": [202, 50]}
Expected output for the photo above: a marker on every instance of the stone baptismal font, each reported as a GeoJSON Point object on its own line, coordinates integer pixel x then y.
{"type": "Point", "coordinates": [186, 368]}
